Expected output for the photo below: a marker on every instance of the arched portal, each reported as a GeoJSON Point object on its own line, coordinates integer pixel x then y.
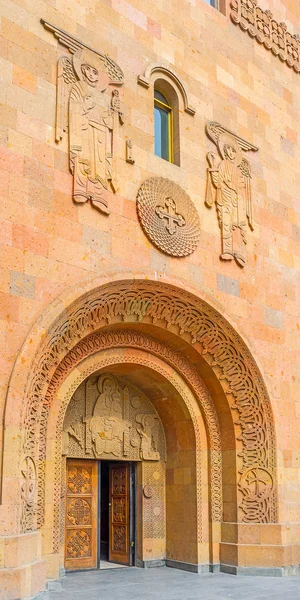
{"type": "Point", "coordinates": [171, 332]}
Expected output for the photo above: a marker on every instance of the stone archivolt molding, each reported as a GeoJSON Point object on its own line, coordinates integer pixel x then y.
{"type": "Point", "coordinates": [168, 216]}
{"type": "Point", "coordinates": [105, 362]}
{"type": "Point", "coordinates": [132, 339]}
{"type": "Point", "coordinates": [167, 307]}
{"type": "Point", "coordinates": [145, 79]}
{"type": "Point", "coordinates": [261, 25]}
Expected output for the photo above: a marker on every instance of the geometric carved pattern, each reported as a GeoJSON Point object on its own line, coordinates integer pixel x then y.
{"type": "Point", "coordinates": [168, 216]}
{"type": "Point", "coordinates": [78, 544]}
{"type": "Point", "coordinates": [273, 35]}
{"type": "Point", "coordinates": [154, 522]}
{"type": "Point", "coordinates": [119, 507]}
{"type": "Point", "coordinates": [119, 482]}
{"type": "Point", "coordinates": [119, 539]}
{"type": "Point", "coordinates": [79, 512]}
{"type": "Point", "coordinates": [79, 481]}
{"type": "Point", "coordinates": [79, 507]}
{"type": "Point", "coordinates": [166, 306]}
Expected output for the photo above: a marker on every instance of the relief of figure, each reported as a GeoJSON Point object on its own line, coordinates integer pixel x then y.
{"type": "Point", "coordinates": [228, 185]}
{"type": "Point", "coordinates": [91, 112]}
{"type": "Point", "coordinates": [148, 434]}
{"type": "Point", "coordinates": [107, 425]}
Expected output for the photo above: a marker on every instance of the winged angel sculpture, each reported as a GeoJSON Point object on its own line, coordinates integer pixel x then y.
{"type": "Point", "coordinates": [89, 109]}
{"type": "Point", "coordinates": [229, 186]}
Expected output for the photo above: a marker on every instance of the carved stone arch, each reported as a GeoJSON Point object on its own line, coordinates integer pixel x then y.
{"type": "Point", "coordinates": [163, 70]}
{"type": "Point", "coordinates": [131, 339]}
{"type": "Point", "coordinates": [165, 307]}
{"type": "Point", "coordinates": [105, 358]}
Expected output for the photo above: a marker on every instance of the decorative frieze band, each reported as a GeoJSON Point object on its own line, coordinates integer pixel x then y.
{"type": "Point", "coordinates": [261, 25]}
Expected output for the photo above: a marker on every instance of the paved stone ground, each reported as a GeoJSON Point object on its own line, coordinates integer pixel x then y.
{"type": "Point", "coordinates": [171, 584]}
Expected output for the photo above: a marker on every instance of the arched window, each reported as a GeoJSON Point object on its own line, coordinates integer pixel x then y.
{"type": "Point", "coordinates": [163, 127]}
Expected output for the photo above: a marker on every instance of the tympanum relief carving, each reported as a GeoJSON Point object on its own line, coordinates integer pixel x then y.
{"type": "Point", "coordinates": [89, 109]}
{"type": "Point", "coordinates": [229, 187]}
{"type": "Point", "coordinates": [109, 419]}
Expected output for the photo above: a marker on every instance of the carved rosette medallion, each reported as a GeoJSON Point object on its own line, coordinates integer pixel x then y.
{"type": "Point", "coordinates": [168, 216]}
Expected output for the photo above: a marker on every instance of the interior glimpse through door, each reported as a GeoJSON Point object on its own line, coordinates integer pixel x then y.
{"type": "Point", "coordinates": [119, 513]}
{"type": "Point", "coordinates": [81, 514]}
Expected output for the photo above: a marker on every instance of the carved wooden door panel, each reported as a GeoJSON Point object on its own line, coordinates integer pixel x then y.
{"type": "Point", "coordinates": [119, 537]}
{"type": "Point", "coordinates": [81, 514]}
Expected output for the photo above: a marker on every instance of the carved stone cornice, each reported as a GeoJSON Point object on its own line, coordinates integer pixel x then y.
{"type": "Point", "coordinates": [261, 25]}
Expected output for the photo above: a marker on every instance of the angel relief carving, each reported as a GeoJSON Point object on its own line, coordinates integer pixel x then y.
{"type": "Point", "coordinates": [90, 110]}
{"type": "Point", "coordinates": [229, 186]}
{"type": "Point", "coordinates": [108, 420]}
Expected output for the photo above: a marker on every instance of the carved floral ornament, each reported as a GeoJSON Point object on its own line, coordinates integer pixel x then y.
{"type": "Point", "coordinates": [261, 25]}
{"type": "Point", "coordinates": [166, 306]}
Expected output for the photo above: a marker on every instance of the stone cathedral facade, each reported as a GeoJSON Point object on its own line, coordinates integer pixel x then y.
{"type": "Point", "coordinates": [149, 291]}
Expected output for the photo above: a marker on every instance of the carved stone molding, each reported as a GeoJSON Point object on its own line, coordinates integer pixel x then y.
{"type": "Point", "coordinates": [167, 306]}
{"type": "Point", "coordinates": [104, 362]}
{"type": "Point", "coordinates": [261, 25]}
{"type": "Point", "coordinates": [144, 80]}
{"type": "Point", "coordinates": [168, 216]}
{"type": "Point", "coordinates": [229, 187]}
{"type": "Point", "coordinates": [89, 109]}
{"type": "Point", "coordinates": [133, 339]}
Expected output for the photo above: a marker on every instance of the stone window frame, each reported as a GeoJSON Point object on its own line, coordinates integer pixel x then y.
{"type": "Point", "coordinates": [165, 80]}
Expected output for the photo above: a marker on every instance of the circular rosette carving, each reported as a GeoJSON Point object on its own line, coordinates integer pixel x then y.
{"type": "Point", "coordinates": [256, 483]}
{"type": "Point", "coordinates": [168, 216]}
{"type": "Point", "coordinates": [148, 491]}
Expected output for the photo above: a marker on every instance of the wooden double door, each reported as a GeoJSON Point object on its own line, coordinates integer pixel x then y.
{"type": "Point", "coordinates": [99, 524]}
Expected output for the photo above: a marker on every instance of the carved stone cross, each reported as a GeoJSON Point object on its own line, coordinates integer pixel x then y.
{"type": "Point", "coordinates": [168, 212]}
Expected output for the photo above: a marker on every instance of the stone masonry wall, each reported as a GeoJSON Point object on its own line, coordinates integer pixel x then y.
{"type": "Point", "coordinates": [48, 243]}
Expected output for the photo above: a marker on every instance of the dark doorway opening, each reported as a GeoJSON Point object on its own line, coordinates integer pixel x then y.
{"type": "Point", "coordinates": [116, 529]}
